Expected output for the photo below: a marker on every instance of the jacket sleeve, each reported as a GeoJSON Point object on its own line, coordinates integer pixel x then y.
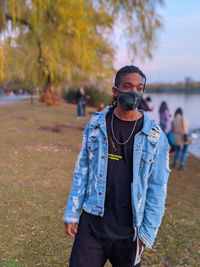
{"type": "Point", "coordinates": [80, 179]}
{"type": "Point", "coordinates": [156, 195]}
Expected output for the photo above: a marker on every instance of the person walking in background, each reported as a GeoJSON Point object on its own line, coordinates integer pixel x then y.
{"type": "Point", "coordinates": [86, 97]}
{"type": "Point", "coordinates": [144, 104]}
{"type": "Point", "coordinates": [119, 188]}
{"type": "Point", "coordinates": [180, 128]}
{"type": "Point", "coordinates": [80, 100]}
{"type": "Point", "coordinates": [165, 114]}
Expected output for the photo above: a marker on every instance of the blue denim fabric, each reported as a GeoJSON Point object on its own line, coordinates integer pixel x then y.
{"type": "Point", "coordinates": [150, 176]}
{"type": "Point", "coordinates": [184, 153]}
{"type": "Point", "coordinates": [80, 108]}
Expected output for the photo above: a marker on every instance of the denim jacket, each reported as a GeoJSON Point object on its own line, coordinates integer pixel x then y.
{"type": "Point", "coordinates": [150, 175]}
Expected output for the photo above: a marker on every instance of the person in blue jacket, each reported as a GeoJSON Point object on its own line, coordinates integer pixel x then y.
{"type": "Point", "coordinates": [119, 188]}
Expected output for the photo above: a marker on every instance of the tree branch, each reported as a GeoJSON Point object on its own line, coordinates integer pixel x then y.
{"type": "Point", "coordinates": [22, 21]}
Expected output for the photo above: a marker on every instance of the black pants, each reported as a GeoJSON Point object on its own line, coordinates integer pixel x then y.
{"type": "Point", "coordinates": [90, 251]}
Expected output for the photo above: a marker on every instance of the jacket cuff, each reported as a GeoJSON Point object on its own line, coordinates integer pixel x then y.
{"type": "Point", "coordinates": [145, 238]}
{"type": "Point", "coordinates": [68, 219]}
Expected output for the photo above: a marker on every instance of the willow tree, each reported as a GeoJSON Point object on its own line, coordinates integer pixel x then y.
{"type": "Point", "coordinates": [64, 41]}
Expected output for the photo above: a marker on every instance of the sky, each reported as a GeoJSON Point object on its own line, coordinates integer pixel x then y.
{"type": "Point", "coordinates": [178, 48]}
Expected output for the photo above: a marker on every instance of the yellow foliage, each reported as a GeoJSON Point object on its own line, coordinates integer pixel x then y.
{"type": "Point", "coordinates": [64, 41]}
{"type": "Point", "coordinates": [1, 64]}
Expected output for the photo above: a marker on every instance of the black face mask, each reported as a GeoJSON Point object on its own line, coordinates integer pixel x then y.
{"type": "Point", "coordinates": [129, 100]}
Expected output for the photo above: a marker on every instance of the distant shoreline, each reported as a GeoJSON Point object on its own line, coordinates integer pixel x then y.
{"type": "Point", "coordinates": [193, 155]}
{"type": "Point", "coordinates": [157, 91]}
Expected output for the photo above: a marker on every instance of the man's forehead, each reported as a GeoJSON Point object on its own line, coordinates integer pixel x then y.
{"type": "Point", "coordinates": [132, 77]}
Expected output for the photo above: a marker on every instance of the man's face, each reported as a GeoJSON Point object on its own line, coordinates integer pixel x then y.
{"type": "Point", "coordinates": [130, 82]}
{"type": "Point", "coordinates": [82, 91]}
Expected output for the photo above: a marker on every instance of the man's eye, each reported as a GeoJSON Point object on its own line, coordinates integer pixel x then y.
{"type": "Point", "coordinates": [127, 87]}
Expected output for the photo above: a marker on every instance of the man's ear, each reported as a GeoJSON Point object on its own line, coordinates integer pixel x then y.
{"type": "Point", "coordinates": [115, 92]}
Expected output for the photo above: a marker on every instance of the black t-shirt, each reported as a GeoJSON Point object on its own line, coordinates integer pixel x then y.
{"type": "Point", "coordinates": [117, 220]}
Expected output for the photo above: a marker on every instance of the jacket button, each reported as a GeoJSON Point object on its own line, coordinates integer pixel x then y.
{"type": "Point", "coordinates": [150, 160]}
{"type": "Point", "coordinates": [102, 157]}
{"type": "Point", "coordinates": [100, 175]}
{"type": "Point", "coordinates": [100, 193]}
{"type": "Point", "coordinates": [89, 147]}
{"type": "Point", "coordinates": [99, 213]}
{"type": "Point", "coordinates": [104, 139]}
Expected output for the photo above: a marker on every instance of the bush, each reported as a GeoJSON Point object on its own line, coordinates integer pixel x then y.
{"type": "Point", "coordinates": [70, 96]}
{"type": "Point", "coordinates": [96, 97]}
{"type": "Point", "coordinates": [50, 98]}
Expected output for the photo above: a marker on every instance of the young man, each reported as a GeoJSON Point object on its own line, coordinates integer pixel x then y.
{"type": "Point", "coordinates": [120, 181]}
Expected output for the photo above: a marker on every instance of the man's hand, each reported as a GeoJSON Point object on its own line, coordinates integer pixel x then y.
{"type": "Point", "coordinates": [140, 244]}
{"type": "Point", "coordinates": [71, 229]}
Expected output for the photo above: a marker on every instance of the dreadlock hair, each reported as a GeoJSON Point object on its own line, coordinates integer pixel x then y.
{"type": "Point", "coordinates": [114, 101]}
{"type": "Point", "coordinates": [123, 72]}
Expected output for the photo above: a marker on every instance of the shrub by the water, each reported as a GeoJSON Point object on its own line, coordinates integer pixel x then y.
{"type": "Point", "coordinates": [96, 97]}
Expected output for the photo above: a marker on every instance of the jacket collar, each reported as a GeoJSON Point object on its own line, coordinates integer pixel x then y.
{"type": "Point", "coordinates": [147, 124]}
{"type": "Point", "coordinates": [98, 118]}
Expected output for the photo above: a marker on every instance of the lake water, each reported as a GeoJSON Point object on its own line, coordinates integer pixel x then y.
{"type": "Point", "coordinates": [190, 105]}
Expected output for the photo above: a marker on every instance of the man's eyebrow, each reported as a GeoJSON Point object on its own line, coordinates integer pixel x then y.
{"type": "Point", "coordinates": [132, 83]}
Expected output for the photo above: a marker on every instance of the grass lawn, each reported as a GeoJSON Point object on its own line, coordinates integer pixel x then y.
{"type": "Point", "coordinates": [38, 150]}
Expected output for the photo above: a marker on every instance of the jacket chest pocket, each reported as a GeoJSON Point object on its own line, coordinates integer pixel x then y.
{"type": "Point", "coordinates": [145, 165]}
{"type": "Point", "coordinates": [93, 149]}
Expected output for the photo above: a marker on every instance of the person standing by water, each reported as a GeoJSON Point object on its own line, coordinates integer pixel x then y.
{"type": "Point", "coordinates": [180, 128]}
{"type": "Point", "coordinates": [80, 100]}
{"type": "Point", "coordinates": [144, 104]}
{"type": "Point", "coordinates": [119, 188]}
{"type": "Point", "coordinates": [165, 114]}
{"type": "Point", "coordinates": [85, 98]}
